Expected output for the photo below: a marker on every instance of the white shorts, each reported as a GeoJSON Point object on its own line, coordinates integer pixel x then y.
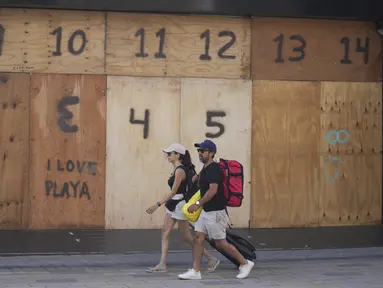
{"type": "Point", "coordinates": [213, 224]}
{"type": "Point", "coordinates": [177, 213]}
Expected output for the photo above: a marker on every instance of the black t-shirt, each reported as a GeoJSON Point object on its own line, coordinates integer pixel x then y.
{"type": "Point", "coordinates": [212, 174]}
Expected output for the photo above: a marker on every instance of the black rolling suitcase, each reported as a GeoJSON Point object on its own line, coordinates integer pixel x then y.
{"type": "Point", "coordinates": [243, 246]}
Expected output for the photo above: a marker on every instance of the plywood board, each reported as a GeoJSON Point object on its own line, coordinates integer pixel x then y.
{"type": "Point", "coordinates": [220, 110]}
{"type": "Point", "coordinates": [52, 41]}
{"type": "Point", "coordinates": [143, 116]}
{"type": "Point", "coordinates": [316, 50]}
{"type": "Point", "coordinates": [14, 149]}
{"type": "Point", "coordinates": [67, 166]}
{"type": "Point", "coordinates": [185, 46]}
{"type": "Point", "coordinates": [285, 161]}
{"type": "Point", "coordinates": [351, 153]}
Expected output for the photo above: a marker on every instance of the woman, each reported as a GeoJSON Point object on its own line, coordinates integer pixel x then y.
{"type": "Point", "coordinates": [181, 160]}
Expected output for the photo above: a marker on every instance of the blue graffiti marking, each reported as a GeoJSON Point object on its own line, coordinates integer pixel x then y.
{"type": "Point", "coordinates": [333, 179]}
{"type": "Point", "coordinates": [337, 136]}
{"type": "Point", "coordinates": [333, 159]}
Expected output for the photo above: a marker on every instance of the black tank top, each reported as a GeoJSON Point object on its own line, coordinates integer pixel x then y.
{"type": "Point", "coordinates": [183, 185]}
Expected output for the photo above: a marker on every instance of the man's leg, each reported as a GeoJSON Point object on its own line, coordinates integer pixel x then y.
{"type": "Point", "coordinates": [217, 231]}
{"type": "Point", "coordinates": [200, 231]}
{"type": "Point", "coordinates": [212, 261]}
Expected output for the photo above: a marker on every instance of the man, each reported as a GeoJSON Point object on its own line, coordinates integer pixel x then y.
{"type": "Point", "coordinates": [213, 219]}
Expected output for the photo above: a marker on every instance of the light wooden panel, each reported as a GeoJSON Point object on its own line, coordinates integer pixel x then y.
{"type": "Point", "coordinates": [28, 44]}
{"type": "Point", "coordinates": [14, 149]}
{"type": "Point", "coordinates": [311, 49]}
{"type": "Point", "coordinates": [137, 45]}
{"type": "Point", "coordinates": [285, 162]}
{"type": "Point", "coordinates": [137, 171]}
{"type": "Point", "coordinates": [67, 169]}
{"type": "Point", "coordinates": [227, 102]}
{"type": "Point", "coordinates": [351, 190]}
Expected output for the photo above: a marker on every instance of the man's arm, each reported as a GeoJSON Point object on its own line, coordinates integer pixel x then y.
{"type": "Point", "coordinates": [213, 188]}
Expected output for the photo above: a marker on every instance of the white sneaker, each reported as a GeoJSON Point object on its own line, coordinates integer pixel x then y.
{"type": "Point", "coordinates": [244, 270]}
{"type": "Point", "coordinates": [191, 274]}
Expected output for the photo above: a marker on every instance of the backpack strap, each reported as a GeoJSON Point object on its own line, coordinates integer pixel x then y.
{"type": "Point", "coordinates": [230, 223]}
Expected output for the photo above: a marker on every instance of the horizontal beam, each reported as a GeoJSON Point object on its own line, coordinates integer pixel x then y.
{"type": "Point", "coordinates": [330, 9]}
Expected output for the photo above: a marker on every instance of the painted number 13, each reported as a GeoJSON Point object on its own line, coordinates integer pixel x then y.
{"type": "Point", "coordinates": [300, 49]}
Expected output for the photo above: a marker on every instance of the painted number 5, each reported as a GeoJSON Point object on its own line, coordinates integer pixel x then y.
{"type": "Point", "coordinates": [212, 123]}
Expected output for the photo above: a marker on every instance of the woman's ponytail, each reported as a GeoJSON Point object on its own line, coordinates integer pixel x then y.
{"type": "Point", "coordinates": [186, 161]}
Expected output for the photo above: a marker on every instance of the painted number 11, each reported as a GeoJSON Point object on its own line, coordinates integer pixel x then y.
{"type": "Point", "coordinates": [158, 55]}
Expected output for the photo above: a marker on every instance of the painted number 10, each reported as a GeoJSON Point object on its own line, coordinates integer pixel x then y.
{"type": "Point", "coordinates": [78, 33]}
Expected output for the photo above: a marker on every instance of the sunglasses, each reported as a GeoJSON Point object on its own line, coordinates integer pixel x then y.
{"type": "Point", "coordinates": [202, 150]}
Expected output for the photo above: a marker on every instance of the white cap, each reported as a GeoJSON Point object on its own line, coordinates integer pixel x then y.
{"type": "Point", "coordinates": [175, 147]}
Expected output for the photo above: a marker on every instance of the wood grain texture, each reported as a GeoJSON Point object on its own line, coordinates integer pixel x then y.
{"type": "Point", "coordinates": [351, 190]}
{"type": "Point", "coordinates": [14, 150]}
{"type": "Point", "coordinates": [29, 44]}
{"type": "Point", "coordinates": [67, 168]}
{"type": "Point", "coordinates": [316, 46]}
{"type": "Point", "coordinates": [285, 161]}
{"type": "Point", "coordinates": [137, 171]}
{"type": "Point", "coordinates": [228, 102]}
{"type": "Point", "coordinates": [182, 46]}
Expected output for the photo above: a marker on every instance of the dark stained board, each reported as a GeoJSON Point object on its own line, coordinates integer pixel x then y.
{"type": "Point", "coordinates": [67, 168]}
{"type": "Point", "coordinates": [14, 149]}
{"type": "Point", "coordinates": [316, 50]}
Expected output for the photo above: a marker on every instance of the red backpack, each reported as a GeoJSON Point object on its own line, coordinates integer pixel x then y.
{"type": "Point", "coordinates": [232, 182]}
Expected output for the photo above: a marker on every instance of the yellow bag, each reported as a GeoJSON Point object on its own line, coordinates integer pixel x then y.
{"type": "Point", "coordinates": [192, 217]}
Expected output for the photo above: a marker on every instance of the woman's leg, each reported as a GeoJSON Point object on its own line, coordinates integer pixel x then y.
{"type": "Point", "coordinates": [169, 223]}
{"type": "Point", "coordinates": [183, 226]}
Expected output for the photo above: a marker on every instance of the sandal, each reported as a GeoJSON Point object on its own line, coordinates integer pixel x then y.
{"type": "Point", "coordinates": [156, 269]}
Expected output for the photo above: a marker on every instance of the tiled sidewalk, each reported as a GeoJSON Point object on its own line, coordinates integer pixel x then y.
{"type": "Point", "coordinates": [348, 268]}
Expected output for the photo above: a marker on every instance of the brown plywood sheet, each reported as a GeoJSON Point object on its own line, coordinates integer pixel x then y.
{"type": "Point", "coordinates": [220, 110]}
{"type": "Point", "coordinates": [14, 149]}
{"type": "Point", "coordinates": [67, 166]}
{"type": "Point", "coordinates": [315, 50]}
{"type": "Point", "coordinates": [143, 117]}
{"type": "Point", "coordinates": [172, 45]}
{"type": "Point", "coordinates": [285, 162]}
{"type": "Point", "coordinates": [52, 41]}
{"type": "Point", "coordinates": [351, 153]}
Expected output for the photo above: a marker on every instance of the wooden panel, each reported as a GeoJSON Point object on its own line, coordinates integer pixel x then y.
{"type": "Point", "coordinates": [207, 104]}
{"type": "Point", "coordinates": [168, 45]}
{"type": "Point", "coordinates": [67, 169]}
{"type": "Point", "coordinates": [351, 152]}
{"type": "Point", "coordinates": [285, 162]}
{"type": "Point", "coordinates": [14, 149]}
{"type": "Point", "coordinates": [297, 49]}
{"type": "Point", "coordinates": [137, 171]}
{"type": "Point", "coordinates": [52, 41]}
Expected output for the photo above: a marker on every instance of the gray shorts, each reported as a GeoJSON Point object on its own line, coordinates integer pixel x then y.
{"type": "Point", "coordinates": [213, 224]}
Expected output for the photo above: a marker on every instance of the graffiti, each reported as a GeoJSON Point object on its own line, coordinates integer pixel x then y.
{"type": "Point", "coordinates": [333, 137]}
{"type": "Point", "coordinates": [64, 115]}
{"type": "Point", "coordinates": [338, 137]}
{"type": "Point", "coordinates": [74, 166]}
{"type": "Point", "coordinates": [68, 189]}
{"type": "Point", "coordinates": [75, 189]}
